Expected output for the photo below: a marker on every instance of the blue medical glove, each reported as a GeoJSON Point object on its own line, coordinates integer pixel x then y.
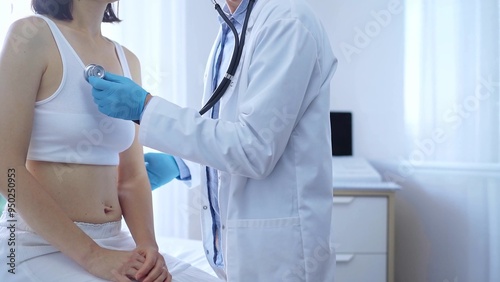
{"type": "Point", "coordinates": [117, 96]}
{"type": "Point", "coordinates": [162, 168]}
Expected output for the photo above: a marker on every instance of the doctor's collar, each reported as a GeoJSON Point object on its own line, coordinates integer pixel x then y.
{"type": "Point", "coordinates": [238, 15]}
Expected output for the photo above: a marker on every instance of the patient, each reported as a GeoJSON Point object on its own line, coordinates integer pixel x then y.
{"type": "Point", "coordinates": [73, 172]}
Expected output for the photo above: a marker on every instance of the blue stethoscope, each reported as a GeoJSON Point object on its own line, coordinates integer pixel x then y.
{"type": "Point", "coordinates": [97, 70]}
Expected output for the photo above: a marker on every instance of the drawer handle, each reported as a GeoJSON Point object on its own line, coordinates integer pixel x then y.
{"type": "Point", "coordinates": [344, 258]}
{"type": "Point", "coordinates": [343, 200]}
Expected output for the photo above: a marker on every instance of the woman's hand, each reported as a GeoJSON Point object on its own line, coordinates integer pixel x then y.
{"type": "Point", "coordinates": [154, 268]}
{"type": "Point", "coordinates": [106, 263]}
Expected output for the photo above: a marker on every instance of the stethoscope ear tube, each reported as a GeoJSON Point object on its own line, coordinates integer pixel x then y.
{"type": "Point", "coordinates": [235, 59]}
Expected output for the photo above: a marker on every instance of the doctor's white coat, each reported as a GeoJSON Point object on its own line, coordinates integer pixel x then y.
{"type": "Point", "coordinates": [271, 146]}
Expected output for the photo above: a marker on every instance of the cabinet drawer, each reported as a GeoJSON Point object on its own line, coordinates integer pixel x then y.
{"type": "Point", "coordinates": [360, 224]}
{"type": "Point", "coordinates": [361, 268]}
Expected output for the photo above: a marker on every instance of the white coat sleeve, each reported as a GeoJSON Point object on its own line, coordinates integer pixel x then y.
{"type": "Point", "coordinates": [282, 65]}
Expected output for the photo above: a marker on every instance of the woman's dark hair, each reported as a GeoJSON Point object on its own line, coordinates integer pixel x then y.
{"type": "Point", "coordinates": [61, 10]}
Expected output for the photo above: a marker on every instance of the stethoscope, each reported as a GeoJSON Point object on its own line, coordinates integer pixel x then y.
{"type": "Point", "coordinates": [235, 59]}
{"type": "Point", "coordinates": [99, 71]}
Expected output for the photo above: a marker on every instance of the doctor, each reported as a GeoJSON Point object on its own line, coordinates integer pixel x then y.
{"type": "Point", "coordinates": [264, 147]}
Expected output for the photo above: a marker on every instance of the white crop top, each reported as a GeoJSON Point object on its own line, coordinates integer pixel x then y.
{"type": "Point", "coordinates": [67, 126]}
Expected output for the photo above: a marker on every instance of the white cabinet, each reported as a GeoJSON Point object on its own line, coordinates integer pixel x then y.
{"type": "Point", "coordinates": [364, 232]}
{"type": "Point", "coordinates": [361, 268]}
{"type": "Point", "coordinates": [357, 217]}
{"type": "Point", "coordinates": [363, 222]}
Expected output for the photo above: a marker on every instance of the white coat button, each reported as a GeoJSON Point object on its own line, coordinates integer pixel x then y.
{"type": "Point", "coordinates": [208, 252]}
{"type": "Point", "coordinates": [205, 207]}
{"type": "Point", "coordinates": [223, 227]}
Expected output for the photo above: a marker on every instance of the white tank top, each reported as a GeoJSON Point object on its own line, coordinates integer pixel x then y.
{"type": "Point", "coordinates": [67, 126]}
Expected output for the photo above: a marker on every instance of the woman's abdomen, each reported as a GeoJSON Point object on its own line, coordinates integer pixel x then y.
{"type": "Point", "coordinates": [87, 193]}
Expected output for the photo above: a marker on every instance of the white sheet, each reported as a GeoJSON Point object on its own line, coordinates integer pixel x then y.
{"type": "Point", "coordinates": [190, 251]}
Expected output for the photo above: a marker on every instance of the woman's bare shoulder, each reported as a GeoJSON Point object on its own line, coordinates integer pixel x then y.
{"type": "Point", "coordinates": [31, 27]}
{"type": "Point", "coordinates": [29, 33]}
{"type": "Point", "coordinates": [132, 59]}
{"type": "Point", "coordinates": [133, 63]}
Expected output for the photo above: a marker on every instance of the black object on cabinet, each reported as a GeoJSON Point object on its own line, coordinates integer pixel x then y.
{"type": "Point", "coordinates": [341, 126]}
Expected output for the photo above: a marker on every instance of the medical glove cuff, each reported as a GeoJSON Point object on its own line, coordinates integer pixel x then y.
{"type": "Point", "coordinates": [161, 168]}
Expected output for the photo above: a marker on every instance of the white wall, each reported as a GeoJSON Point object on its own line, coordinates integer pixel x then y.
{"type": "Point", "coordinates": [368, 39]}
{"type": "Point", "coordinates": [447, 224]}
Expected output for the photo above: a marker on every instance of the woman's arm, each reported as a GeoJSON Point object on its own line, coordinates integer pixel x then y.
{"type": "Point", "coordinates": [23, 62]}
{"type": "Point", "coordinates": [134, 192]}
{"type": "Point", "coordinates": [136, 199]}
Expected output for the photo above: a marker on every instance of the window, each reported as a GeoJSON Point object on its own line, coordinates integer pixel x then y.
{"type": "Point", "coordinates": [452, 81]}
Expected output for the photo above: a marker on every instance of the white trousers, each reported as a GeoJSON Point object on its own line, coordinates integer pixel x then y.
{"type": "Point", "coordinates": [32, 259]}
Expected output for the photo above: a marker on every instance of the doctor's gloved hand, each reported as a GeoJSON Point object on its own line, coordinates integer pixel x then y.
{"type": "Point", "coordinates": [117, 96]}
{"type": "Point", "coordinates": [161, 168]}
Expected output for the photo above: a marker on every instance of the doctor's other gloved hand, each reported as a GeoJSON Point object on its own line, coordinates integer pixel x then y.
{"type": "Point", "coordinates": [117, 96]}
{"type": "Point", "coordinates": [161, 168]}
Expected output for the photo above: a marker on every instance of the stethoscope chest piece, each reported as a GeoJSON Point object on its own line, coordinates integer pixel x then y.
{"type": "Point", "coordinates": [94, 70]}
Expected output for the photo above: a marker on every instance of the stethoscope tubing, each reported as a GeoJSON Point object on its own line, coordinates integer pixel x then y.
{"type": "Point", "coordinates": [235, 59]}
